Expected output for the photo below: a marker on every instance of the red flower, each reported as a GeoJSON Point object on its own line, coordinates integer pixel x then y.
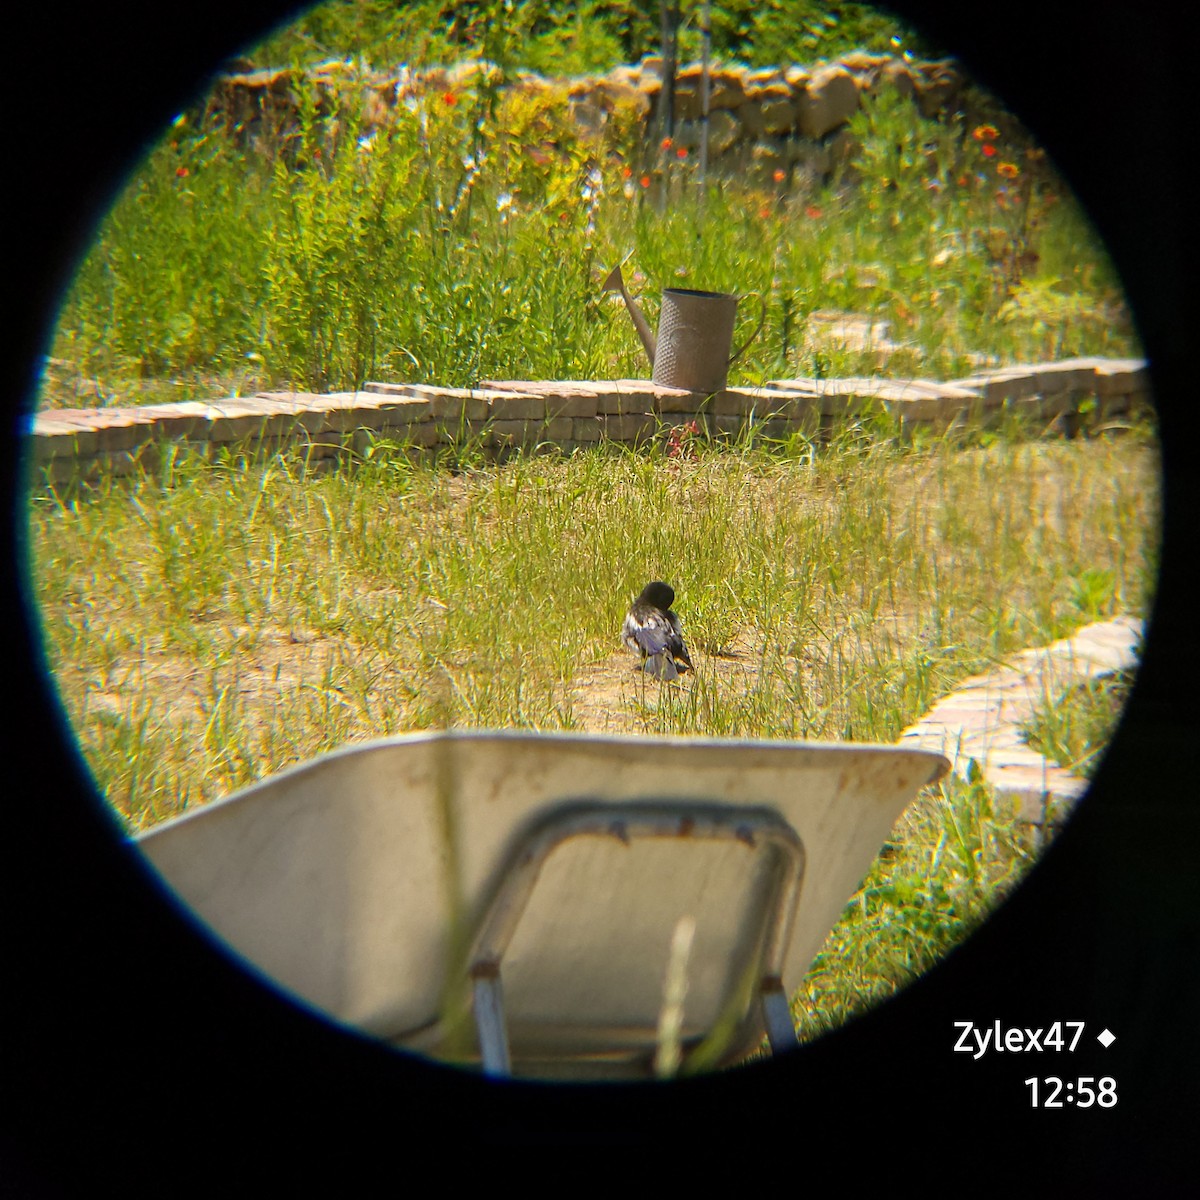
{"type": "Point", "coordinates": [764, 213]}
{"type": "Point", "coordinates": [780, 174]}
{"type": "Point", "coordinates": [449, 99]}
{"type": "Point", "coordinates": [666, 144]}
{"type": "Point", "coordinates": [985, 133]}
{"type": "Point", "coordinates": [645, 181]}
{"type": "Point", "coordinates": [1008, 170]}
{"type": "Point", "coordinates": [813, 213]}
{"type": "Point", "coordinates": [989, 150]}
{"type": "Point", "coordinates": [681, 152]}
{"type": "Point", "coordinates": [627, 172]}
{"type": "Point", "coordinates": [181, 172]}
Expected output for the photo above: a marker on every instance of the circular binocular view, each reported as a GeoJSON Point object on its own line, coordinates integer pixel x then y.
{"type": "Point", "coordinates": [593, 541]}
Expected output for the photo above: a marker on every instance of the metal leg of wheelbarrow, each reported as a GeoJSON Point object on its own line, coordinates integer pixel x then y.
{"type": "Point", "coordinates": [493, 1036]}
{"type": "Point", "coordinates": [761, 831]}
{"type": "Point", "coordinates": [489, 1019]}
{"type": "Point", "coordinates": [777, 1016]}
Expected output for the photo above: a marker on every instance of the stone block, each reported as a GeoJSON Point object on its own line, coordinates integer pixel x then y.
{"type": "Point", "coordinates": [763, 401]}
{"type": "Point", "coordinates": [647, 397]}
{"type": "Point", "coordinates": [289, 401]}
{"type": "Point", "coordinates": [895, 73]}
{"type": "Point", "coordinates": [766, 83]}
{"type": "Point", "coordinates": [425, 435]}
{"type": "Point", "coordinates": [778, 114]}
{"type": "Point", "coordinates": [1055, 378]}
{"type": "Point", "coordinates": [829, 100]}
{"type": "Point", "coordinates": [812, 157]}
{"type": "Point", "coordinates": [55, 438]}
{"type": "Point", "coordinates": [476, 401]}
{"type": "Point", "coordinates": [185, 419]}
{"type": "Point", "coordinates": [116, 428]}
{"type": "Point", "coordinates": [585, 430]}
{"type": "Point", "coordinates": [400, 412]}
{"type": "Point", "coordinates": [724, 130]}
{"type": "Point", "coordinates": [919, 408]}
{"type": "Point", "coordinates": [325, 445]}
{"type": "Point", "coordinates": [726, 91]}
{"type": "Point", "coordinates": [1002, 384]}
{"type": "Point", "coordinates": [229, 421]}
{"type": "Point", "coordinates": [1121, 376]}
{"type": "Point", "coordinates": [318, 415]}
{"type": "Point", "coordinates": [938, 85]}
{"type": "Point", "coordinates": [750, 119]}
{"type": "Point", "coordinates": [512, 432]}
{"type": "Point", "coordinates": [515, 407]}
{"type": "Point", "coordinates": [557, 429]}
{"type": "Point", "coordinates": [629, 427]}
{"type": "Point", "coordinates": [619, 401]}
{"type": "Point", "coordinates": [733, 402]}
{"type": "Point", "coordinates": [563, 398]}
{"type": "Point", "coordinates": [451, 411]}
{"type": "Point", "coordinates": [861, 62]}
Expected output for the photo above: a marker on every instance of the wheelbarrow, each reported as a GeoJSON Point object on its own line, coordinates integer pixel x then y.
{"type": "Point", "coordinates": [514, 902]}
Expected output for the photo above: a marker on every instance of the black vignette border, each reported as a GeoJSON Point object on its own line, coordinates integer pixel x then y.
{"type": "Point", "coordinates": [1107, 925]}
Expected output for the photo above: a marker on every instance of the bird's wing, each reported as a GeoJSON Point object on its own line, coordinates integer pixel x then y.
{"type": "Point", "coordinates": [651, 631]}
{"type": "Point", "coordinates": [677, 647]}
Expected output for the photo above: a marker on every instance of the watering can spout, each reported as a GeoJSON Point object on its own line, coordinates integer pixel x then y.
{"type": "Point", "coordinates": [616, 283]}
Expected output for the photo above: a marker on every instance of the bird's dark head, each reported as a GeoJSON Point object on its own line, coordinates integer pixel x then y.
{"type": "Point", "coordinates": [659, 594]}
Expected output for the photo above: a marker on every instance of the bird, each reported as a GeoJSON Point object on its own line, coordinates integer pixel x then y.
{"type": "Point", "coordinates": [652, 630]}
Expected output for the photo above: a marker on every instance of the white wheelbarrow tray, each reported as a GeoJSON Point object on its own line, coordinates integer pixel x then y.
{"type": "Point", "coordinates": [395, 885]}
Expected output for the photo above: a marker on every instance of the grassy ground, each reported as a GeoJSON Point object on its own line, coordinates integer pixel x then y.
{"type": "Point", "coordinates": [226, 620]}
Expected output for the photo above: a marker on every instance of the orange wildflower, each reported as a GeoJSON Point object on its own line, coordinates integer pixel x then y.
{"type": "Point", "coordinates": [985, 133]}
{"type": "Point", "coordinates": [1007, 170]}
{"type": "Point", "coordinates": [780, 175]}
{"type": "Point", "coordinates": [989, 151]}
{"type": "Point", "coordinates": [645, 181]}
{"type": "Point", "coordinates": [681, 152]}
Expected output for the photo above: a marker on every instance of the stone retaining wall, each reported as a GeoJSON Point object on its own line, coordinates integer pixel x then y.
{"type": "Point", "coordinates": [503, 415]}
{"type": "Point", "coordinates": [794, 113]}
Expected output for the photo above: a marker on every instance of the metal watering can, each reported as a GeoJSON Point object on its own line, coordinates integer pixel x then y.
{"type": "Point", "coordinates": [695, 334]}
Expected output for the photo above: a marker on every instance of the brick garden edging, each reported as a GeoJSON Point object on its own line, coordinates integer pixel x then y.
{"type": "Point", "coordinates": [78, 444]}
{"type": "Point", "coordinates": [980, 722]}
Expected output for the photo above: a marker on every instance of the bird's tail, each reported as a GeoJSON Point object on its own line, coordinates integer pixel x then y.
{"type": "Point", "coordinates": [661, 666]}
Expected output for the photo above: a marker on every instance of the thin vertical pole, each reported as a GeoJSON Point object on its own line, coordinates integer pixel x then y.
{"type": "Point", "coordinates": [706, 51]}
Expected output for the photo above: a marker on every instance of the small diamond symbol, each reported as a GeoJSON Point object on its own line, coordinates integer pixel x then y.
{"type": "Point", "coordinates": [1106, 1039]}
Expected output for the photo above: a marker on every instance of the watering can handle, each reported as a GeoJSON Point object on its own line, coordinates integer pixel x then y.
{"type": "Point", "coordinates": [762, 320]}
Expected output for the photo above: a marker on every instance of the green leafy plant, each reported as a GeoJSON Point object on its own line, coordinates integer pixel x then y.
{"type": "Point", "coordinates": [1074, 728]}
